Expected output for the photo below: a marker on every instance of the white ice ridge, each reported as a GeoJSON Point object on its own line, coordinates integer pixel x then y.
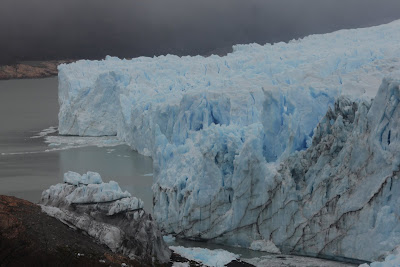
{"type": "Point", "coordinates": [75, 178]}
{"type": "Point", "coordinates": [89, 188]}
{"type": "Point", "coordinates": [218, 129]}
{"type": "Point", "coordinates": [296, 80]}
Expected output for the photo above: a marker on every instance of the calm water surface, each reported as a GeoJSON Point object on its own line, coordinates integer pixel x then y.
{"type": "Point", "coordinates": [29, 106]}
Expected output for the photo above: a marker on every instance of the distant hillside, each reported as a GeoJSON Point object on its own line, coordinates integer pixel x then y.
{"type": "Point", "coordinates": [31, 69]}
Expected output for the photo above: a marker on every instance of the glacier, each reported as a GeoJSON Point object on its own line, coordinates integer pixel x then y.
{"type": "Point", "coordinates": [289, 143]}
{"type": "Point", "coordinates": [323, 201]}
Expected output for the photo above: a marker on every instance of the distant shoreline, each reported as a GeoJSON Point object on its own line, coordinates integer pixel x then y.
{"type": "Point", "coordinates": [31, 69]}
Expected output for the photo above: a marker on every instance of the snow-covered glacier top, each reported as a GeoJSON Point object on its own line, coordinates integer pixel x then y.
{"type": "Point", "coordinates": [182, 94]}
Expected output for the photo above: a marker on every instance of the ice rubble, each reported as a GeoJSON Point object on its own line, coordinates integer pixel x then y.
{"type": "Point", "coordinates": [208, 257]}
{"type": "Point", "coordinates": [223, 133]}
{"type": "Point", "coordinates": [103, 211]}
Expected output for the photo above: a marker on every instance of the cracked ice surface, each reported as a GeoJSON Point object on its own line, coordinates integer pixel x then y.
{"type": "Point", "coordinates": [320, 201]}
{"type": "Point", "coordinates": [223, 133]}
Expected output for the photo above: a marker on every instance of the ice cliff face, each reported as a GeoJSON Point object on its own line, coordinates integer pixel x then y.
{"type": "Point", "coordinates": [107, 214]}
{"type": "Point", "coordinates": [327, 200]}
{"type": "Point", "coordinates": [225, 135]}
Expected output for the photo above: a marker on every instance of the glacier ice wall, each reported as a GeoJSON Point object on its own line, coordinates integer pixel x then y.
{"type": "Point", "coordinates": [219, 128]}
{"type": "Point", "coordinates": [328, 200]}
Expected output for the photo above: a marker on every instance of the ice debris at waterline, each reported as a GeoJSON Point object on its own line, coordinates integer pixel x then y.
{"type": "Point", "coordinates": [264, 245]}
{"type": "Point", "coordinates": [169, 238]}
{"type": "Point", "coordinates": [46, 132]}
{"type": "Point", "coordinates": [208, 257]}
{"type": "Point", "coordinates": [104, 212]}
{"type": "Point", "coordinates": [224, 134]}
{"type": "Point", "coordinates": [392, 260]}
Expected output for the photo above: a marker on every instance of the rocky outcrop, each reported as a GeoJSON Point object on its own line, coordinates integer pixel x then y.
{"type": "Point", "coordinates": [29, 70]}
{"type": "Point", "coordinates": [29, 237]}
{"type": "Point", "coordinates": [107, 214]}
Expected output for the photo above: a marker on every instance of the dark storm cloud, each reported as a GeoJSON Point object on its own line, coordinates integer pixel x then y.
{"type": "Point", "coordinates": [44, 29]}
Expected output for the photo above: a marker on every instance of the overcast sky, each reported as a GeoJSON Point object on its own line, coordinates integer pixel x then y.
{"type": "Point", "coordinates": [35, 29]}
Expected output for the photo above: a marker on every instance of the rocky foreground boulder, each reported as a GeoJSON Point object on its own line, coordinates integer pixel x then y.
{"type": "Point", "coordinates": [29, 237]}
{"type": "Point", "coordinates": [109, 215]}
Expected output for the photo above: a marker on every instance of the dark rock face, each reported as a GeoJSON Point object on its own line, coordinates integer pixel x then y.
{"type": "Point", "coordinates": [29, 237]}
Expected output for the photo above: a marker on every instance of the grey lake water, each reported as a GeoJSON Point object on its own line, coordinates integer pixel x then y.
{"type": "Point", "coordinates": [29, 165]}
{"type": "Point", "coordinates": [26, 169]}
